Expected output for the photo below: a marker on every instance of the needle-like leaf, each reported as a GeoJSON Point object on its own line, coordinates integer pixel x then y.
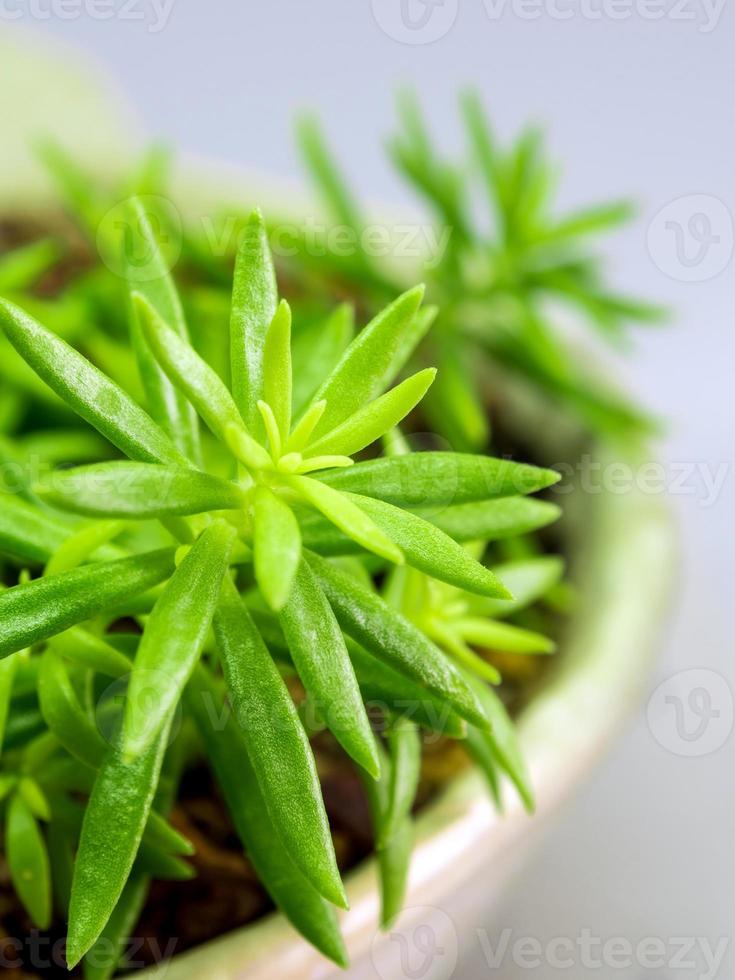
{"type": "Point", "coordinates": [29, 533]}
{"type": "Point", "coordinates": [39, 609]}
{"type": "Point", "coordinates": [394, 851]}
{"type": "Point", "coordinates": [430, 550]}
{"type": "Point", "coordinates": [277, 746]}
{"type": "Point", "coordinates": [104, 958]}
{"type": "Point", "coordinates": [502, 740]}
{"type": "Point", "coordinates": [193, 376]}
{"type": "Point", "coordinates": [370, 363]}
{"type": "Point", "coordinates": [107, 848]}
{"type": "Point", "coordinates": [317, 350]}
{"type": "Point", "coordinates": [87, 390]}
{"type": "Point", "coordinates": [277, 368]}
{"type": "Point", "coordinates": [152, 279]}
{"type": "Point", "coordinates": [372, 421]}
{"type": "Point", "coordinates": [319, 653]}
{"type": "Point", "coordinates": [431, 479]}
{"type": "Point", "coordinates": [139, 490]}
{"type": "Point", "coordinates": [404, 747]}
{"type": "Point", "coordinates": [389, 690]}
{"type": "Point", "coordinates": [254, 301]}
{"type": "Point", "coordinates": [502, 636]}
{"type": "Point", "coordinates": [276, 547]}
{"type": "Point", "coordinates": [528, 579]}
{"type": "Point", "coordinates": [28, 861]}
{"type": "Point", "coordinates": [493, 520]}
{"type": "Point", "coordinates": [230, 754]}
{"type": "Point", "coordinates": [386, 634]}
{"type": "Point", "coordinates": [345, 515]}
{"type": "Point", "coordinates": [174, 637]}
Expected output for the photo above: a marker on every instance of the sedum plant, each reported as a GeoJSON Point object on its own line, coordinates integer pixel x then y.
{"type": "Point", "coordinates": [506, 274]}
{"type": "Point", "coordinates": [162, 600]}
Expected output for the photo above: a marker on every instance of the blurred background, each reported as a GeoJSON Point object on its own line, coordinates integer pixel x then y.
{"type": "Point", "coordinates": [636, 97]}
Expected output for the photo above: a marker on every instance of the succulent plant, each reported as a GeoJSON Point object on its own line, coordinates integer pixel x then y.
{"type": "Point", "coordinates": [232, 556]}
{"type": "Point", "coordinates": [502, 268]}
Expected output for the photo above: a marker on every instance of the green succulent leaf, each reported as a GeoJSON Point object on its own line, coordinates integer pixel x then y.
{"type": "Point", "coordinates": [317, 350]}
{"type": "Point", "coordinates": [230, 754]}
{"type": "Point", "coordinates": [89, 650]}
{"type": "Point", "coordinates": [481, 752]}
{"type": "Point", "coordinates": [87, 390]}
{"type": "Point", "coordinates": [89, 540]}
{"type": "Point", "coordinates": [193, 376]}
{"type": "Point", "coordinates": [502, 740]}
{"type": "Point", "coordinates": [529, 579]}
{"type": "Point", "coordinates": [22, 267]}
{"type": "Point", "coordinates": [106, 954]}
{"type": "Point", "coordinates": [37, 610]}
{"type": "Point", "coordinates": [345, 515]}
{"type": "Point", "coordinates": [174, 638]}
{"type": "Point", "coordinates": [372, 421]}
{"type": "Point", "coordinates": [139, 490]}
{"type": "Point", "coordinates": [8, 669]}
{"type": "Point", "coordinates": [28, 861]}
{"type": "Point", "coordinates": [502, 636]}
{"type": "Point", "coordinates": [320, 655]}
{"type": "Point", "coordinates": [277, 368]}
{"type": "Point", "coordinates": [152, 279]}
{"type": "Point", "coordinates": [276, 547]}
{"type": "Point", "coordinates": [277, 746]}
{"type": "Point", "coordinates": [390, 637]}
{"type": "Point", "coordinates": [64, 715]}
{"type": "Point", "coordinates": [108, 848]}
{"type": "Point", "coordinates": [434, 479]}
{"type": "Point", "coordinates": [394, 861]}
{"type": "Point", "coordinates": [430, 550]}
{"type": "Point", "coordinates": [404, 747]}
{"type": "Point", "coordinates": [335, 192]}
{"type": "Point", "coordinates": [254, 302]}
{"type": "Point", "coordinates": [370, 363]}
{"type": "Point", "coordinates": [391, 691]}
{"type": "Point", "coordinates": [493, 520]}
{"type": "Point", "coordinates": [394, 853]}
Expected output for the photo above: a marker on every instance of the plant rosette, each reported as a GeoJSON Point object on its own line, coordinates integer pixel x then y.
{"type": "Point", "coordinates": [256, 541]}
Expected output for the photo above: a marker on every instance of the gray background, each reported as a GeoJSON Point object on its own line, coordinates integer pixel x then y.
{"type": "Point", "coordinates": [633, 106]}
